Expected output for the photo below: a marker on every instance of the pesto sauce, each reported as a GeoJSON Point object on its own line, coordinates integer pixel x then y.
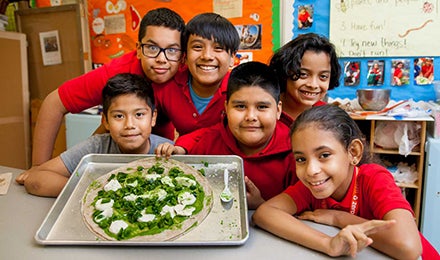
{"type": "Point", "coordinates": [130, 211]}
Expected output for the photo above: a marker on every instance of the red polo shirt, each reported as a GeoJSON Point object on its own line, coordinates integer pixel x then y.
{"type": "Point", "coordinates": [174, 102]}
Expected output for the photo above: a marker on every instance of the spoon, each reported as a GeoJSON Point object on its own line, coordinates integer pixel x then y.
{"type": "Point", "coordinates": [226, 195]}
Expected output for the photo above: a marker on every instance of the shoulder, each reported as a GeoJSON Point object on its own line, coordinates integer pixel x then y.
{"type": "Point", "coordinates": [224, 84]}
{"type": "Point", "coordinates": [376, 178]}
{"type": "Point", "coordinates": [127, 58]}
{"type": "Point", "coordinates": [286, 119]}
{"type": "Point", "coordinates": [320, 103]}
{"type": "Point", "coordinates": [126, 63]}
{"type": "Point", "coordinates": [375, 173]}
{"type": "Point", "coordinates": [282, 129]}
{"type": "Point", "coordinates": [371, 169]}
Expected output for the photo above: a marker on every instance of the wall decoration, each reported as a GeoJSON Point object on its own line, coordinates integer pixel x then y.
{"type": "Point", "coordinates": [385, 28]}
{"type": "Point", "coordinates": [250, 36]}
{"type": "Point", "coordinates": [50, 48]}
{"type": "Point", "coordinates": [400, 72]}
{"type": "Point", "coordinates": [425, 37]}
{"type": "Point", "coordinates": [425, 67]}
{"type": "Point", "coordinates": [255, 18]}
{"type": "Point", "coordinates": [109, 39]}
{"type": "Point", "coordinates": [305, 16]}
{"type": "Point", "coordinates": [352, 73]}
{"type": "Point", "coordinates": [376, 70]}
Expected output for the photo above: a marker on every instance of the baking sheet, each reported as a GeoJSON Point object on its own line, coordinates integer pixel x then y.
{"type": "Point", "coordinates": [226, 224]}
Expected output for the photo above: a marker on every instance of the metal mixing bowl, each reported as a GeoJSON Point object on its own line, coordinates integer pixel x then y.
{"type": "Point", "coordinates": [373, 99]}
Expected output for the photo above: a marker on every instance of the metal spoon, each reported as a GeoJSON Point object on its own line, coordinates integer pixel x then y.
{"type": "Point", "coordinates": [226, 195]}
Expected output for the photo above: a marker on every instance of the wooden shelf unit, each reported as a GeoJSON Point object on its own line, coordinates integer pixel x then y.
{"type": "Point", "coordinates": [418, 154]}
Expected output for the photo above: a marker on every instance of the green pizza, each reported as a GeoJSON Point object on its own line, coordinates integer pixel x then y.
{"type": "Point", "coordinates": [147, 200]}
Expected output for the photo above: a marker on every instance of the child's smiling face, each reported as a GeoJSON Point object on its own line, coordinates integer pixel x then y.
{"type": "Point", "coordinates": [323, 164]}
{"type": "Point", "coordinates": [208, 61]}
{"type": "Point", "coordinates": [313, 81]}
{"type": "Point", "coordinates": [252, 116]}
{"type": "Point", "coordinates": [129, 121]}
{"type": "Point", "coordinates": [159, 69]}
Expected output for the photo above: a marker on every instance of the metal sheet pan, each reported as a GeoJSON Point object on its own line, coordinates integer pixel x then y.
{"type": "Point", "coordinates": [226, 224]}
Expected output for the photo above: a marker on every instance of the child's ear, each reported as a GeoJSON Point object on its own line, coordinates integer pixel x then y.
{"type": "Point", "coordinates": [104, 121]}
{"type": "Point", "coordinates": [231, 62]}
{"type": "Point", "coordinates": [138, 50]}
{"type": "Point", "coordinates": [279, 109]}
{"type": "Point", "coordinates": [153, 118]}
{"type": "Point", "coordinates": [355, 151]}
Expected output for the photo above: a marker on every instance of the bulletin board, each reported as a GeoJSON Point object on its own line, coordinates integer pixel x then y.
{"type": "Point", "coordinates": [349, 23]}
{"type": "Point", "coordinates": [385, 28]}
{"type": "Point", "coordinates": [114, 25]}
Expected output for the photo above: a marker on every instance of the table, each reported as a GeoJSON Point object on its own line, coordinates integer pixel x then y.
{"type": "Point", "coordinates": [21, 215]}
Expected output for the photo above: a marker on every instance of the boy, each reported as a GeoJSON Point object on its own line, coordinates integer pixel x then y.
{"type": "Point", "coordinates": [251, 130]}
{"type": "Point", "coordinates": [195, 97]}
{"type": "Point", "coordinates": [157, 58]}
{"type": "Point", "coordinates": [128, 114]}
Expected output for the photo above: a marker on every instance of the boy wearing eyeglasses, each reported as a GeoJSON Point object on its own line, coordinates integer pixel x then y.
{"type": "Point", "coordinates": [157, 58]}
{"type": "Point", "coordinates": [195, 98]}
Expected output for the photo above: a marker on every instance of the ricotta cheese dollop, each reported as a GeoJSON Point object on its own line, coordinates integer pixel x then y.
{"type": "Point", "coordinates": [117, 225]}
{"type": "Point", "coordinates": [113, 185]}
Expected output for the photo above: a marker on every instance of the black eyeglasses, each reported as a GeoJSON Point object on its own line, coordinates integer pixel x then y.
{"type": "Point", "coordinates": [152, 51]}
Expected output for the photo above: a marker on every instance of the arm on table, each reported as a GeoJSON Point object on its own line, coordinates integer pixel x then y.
{"type": "Point", "coordinates": [400, 241]}
{"type": "Point", "coordinates": [275, 216]}
{"type": "Point", "coordinates": [45, 180]}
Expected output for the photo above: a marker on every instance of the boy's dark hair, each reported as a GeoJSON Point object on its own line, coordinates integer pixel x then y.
{"type": "Point", "coordinates": [334, 119]}
{"type": "Point", "coordinates": [161, 17]}
{"type": "Point", "coordinates": [215, 27]}
{"type": "Point", "coordinates": [127, 83]}
{"type": "Point", "coordinates": [253, 73]}
{"type": "Point", "coordinates": [287, 60]}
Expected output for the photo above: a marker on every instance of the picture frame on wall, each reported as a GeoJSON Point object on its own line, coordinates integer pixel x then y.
{"type": "Point", "coordinates": [352, 73]}
{"type": "Point", "coordinates": [399, 72]}
{"type": "Point", "coordinates": [376, 70]}
{"type": "Point", "coordinates": [305, 16]}
{"type": "Point", "coordinates": [423, 70]}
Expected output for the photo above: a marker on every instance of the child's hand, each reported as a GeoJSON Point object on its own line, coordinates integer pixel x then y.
{"type": "Point", "coordinates": [22, 177]}
{"type": "Point", "coordinates": [354, 238]}
{"type": "Point", "coordinates": [253, 194]}
{"type": "Point", "coordinates": [167, 149]}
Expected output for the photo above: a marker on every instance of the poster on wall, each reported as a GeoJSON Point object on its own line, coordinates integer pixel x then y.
{"type": "Point", "coordinates": [50, 47]}
{"type": "Point", "coordinates": [114, 25]}
{"type": "Point", "coordinates": [385, 28]}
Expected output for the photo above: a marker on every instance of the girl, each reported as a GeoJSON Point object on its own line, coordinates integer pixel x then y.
{"type": "Point", "coordinates": [337, 187]}
{"type": "Point", "coordinates": [251, 130]}
{"type": "Point", "coordinates": [307, 67]}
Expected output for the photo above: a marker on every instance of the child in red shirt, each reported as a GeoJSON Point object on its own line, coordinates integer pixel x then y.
{"type": "Point", "coordinates": [251, 129]}
{"type": "Point", "coordinates": [196, 96]}
{"type": "Point", "coordinates": [157, 57]}
{"type": "Point", "coordinates": [338, 188]}
{"type": "Point", "coordinates": [307, 68]}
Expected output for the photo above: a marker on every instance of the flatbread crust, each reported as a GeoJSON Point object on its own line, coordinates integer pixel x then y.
{"type": "Point", "coordinates": [88, 209]}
